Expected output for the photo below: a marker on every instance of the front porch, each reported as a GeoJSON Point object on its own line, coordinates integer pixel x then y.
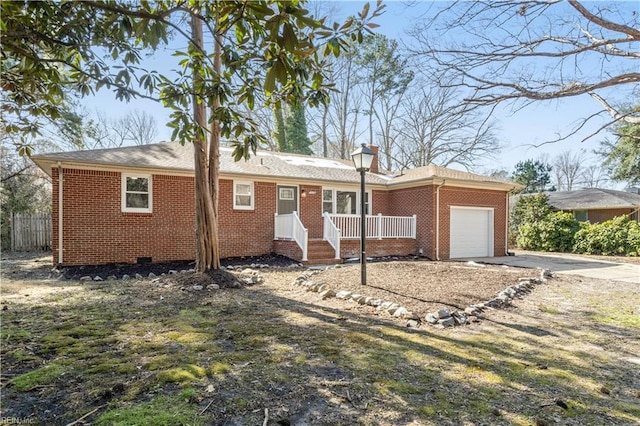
{"type": "Point", "coordinates": [386, 236]}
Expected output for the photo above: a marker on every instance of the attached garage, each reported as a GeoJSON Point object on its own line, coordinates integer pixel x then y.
{"type": "Point", "coordinates": [470, 232]}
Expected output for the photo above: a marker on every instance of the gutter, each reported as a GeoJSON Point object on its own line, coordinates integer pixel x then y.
{"type": "Point", "coordinates": [438, 219]}
{"type": "Point", "coordinates": [60, 217]}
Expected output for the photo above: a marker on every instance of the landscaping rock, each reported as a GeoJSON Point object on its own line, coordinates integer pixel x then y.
{"type": "Point", "coordinates": [112, 277]}
{"type": "Point", "coordinates": [327, 294]}
{"type": "Point", "coordinates": [98, 278]}
{"type": "Point", "coordinates": [86, 278]}
{"type": "Point", "coordinates": [213, 287]}
{"type": "Point", "coordinates": [392, 309]}
{"type": "Point", "coordinates": [412, 323]}
{"type": "Point", "coordinates": [139, 277]}
{"type": "Point", "coordinates": [401, 312]}
{"type": "Point", "coordinates": [125, 277]}
{"type": "Point", "coordinates": [197, 287]}
{"type": "Point", "coordinates": [152, 275]}
{"type": "Point", "coordinates": [431, 318]}
{"type": "Point", "coordinates": [343, 294]}
{"type": "Point", "coordinates": [444, 313]}
{"type": "Point", "coordinates": [471, 310]}
{"type": "Point", "coordinates": [385, 305]}
{"type": "Point", "coordinates": [447, 322]}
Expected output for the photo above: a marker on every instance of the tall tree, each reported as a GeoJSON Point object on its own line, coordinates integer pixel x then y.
{"type": "Point", "coordinates": [296, 127]}
{"type": "Point", "coordinates": [344, 109]}
{"type": "Point", "coordinates": [137, 127]}
{"type": "Point", "coordinates": [534, 175]}
{"type": "Point", "coordinates": [384, 75]}
{"type": "Point", "coordinates": [535, 51]}
{"type": "Point", "coordinates": [622, 155]}
{"type": "Point", "coordinates": [435, 129]}
{"type": "Point", "coordinates": [567, 169]}
{"type": "Point", "coordinates": [267, 46]}
{"type": "Point", "coordinates": [594, 176]}
{"type": "Point", "coordinates": [23, 187]}
{"type": "Point", "coordinates": [280, 131]}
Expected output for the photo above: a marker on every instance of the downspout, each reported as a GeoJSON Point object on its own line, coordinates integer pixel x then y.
{"type": "Point", "coordinates": [506, 225]}
{"type": "Point", "coordinates": [60, 213]}
{"type": "Point", "coordinates": [438, 219]}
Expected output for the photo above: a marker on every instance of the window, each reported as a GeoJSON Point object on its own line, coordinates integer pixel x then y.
{"type": "Point", "coordinates": [243, 195]}
{"type": "Point", "coordinates": [136, 193]}
{"type": "Point", "coordinates": [343, 202]}
{"type": "Point", "coordinates": [581, 215]}
{"type": "Point", "coordinates": [287, 194]}
{"type": "Point", "coordinates": [346, 202]}
{"type": "Point", "coordinates": [327, 201]}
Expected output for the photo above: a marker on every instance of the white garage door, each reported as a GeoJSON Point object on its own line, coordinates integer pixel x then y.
{"type": "Point", "coordinates": [471, 232]}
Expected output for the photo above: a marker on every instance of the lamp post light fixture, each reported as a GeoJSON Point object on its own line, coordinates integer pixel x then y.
{"type": "Point", "coordinates": [362, 159]}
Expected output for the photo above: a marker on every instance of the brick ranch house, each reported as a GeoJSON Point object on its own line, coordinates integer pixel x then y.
{"type": "Point", "coordinates": [596, 205]}
{"type": "Point", "coordinates": [136, 204]}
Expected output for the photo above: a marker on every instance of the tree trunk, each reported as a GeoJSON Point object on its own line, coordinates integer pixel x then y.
{"type": "Point", "coordinates": [214, 156]}
{"type": "Point", "coordinates": [207, 254]}
{"type": "Point", "coordinates": [325, 150]}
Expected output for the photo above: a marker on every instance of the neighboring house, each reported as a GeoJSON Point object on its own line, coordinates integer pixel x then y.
{"type": "Point", "coordinates": [136, 204]}
{"type": "Point", "coordinates": [596, 205]}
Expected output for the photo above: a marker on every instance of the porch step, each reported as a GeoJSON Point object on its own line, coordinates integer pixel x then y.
{"type": "Point", "coordinates": [320, 252]}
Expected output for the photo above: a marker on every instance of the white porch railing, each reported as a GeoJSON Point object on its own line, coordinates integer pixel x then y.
{"type": "Point", "coordinates": [377, 226]}
{"type": "Point", "coordinates": [331, 233]}
{"type": "Point", "coordinates": [290, 227]}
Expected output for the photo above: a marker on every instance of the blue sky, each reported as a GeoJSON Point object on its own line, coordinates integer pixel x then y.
{"type": "Point", "coordinates": [519, 131]}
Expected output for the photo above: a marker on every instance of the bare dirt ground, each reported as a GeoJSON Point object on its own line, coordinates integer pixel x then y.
{"type": "Point", "coordinates": [129, 352]}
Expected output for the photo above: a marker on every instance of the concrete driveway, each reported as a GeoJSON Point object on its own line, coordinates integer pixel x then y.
{"type": "Point", "coordinates": [571, 265]}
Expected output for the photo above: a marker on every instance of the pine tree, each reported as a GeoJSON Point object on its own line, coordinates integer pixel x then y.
{"type": "Point", "coordinates": [296, 131]}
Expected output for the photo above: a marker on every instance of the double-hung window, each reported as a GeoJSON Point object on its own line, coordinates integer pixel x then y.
{"type": "Point", "coordinates": [137, 194]}
{"type": "Point", "coordinates": [243, 196]}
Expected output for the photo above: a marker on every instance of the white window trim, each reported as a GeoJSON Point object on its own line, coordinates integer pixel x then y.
{"type": "Point", "coordinates": [334, 198]}
{"type": "Point", "coordinates": [252, 195]}
{"type": "Point", "coordinates": [281, 190]}
{"type": "Point", "coordinates": [126, 209]}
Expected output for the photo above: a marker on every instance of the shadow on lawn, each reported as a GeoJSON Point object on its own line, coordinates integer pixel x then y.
{"type": "Point", "coordinates": [234, 353]}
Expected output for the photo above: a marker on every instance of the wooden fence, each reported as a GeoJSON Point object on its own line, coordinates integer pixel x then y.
{"type": "Point", "coordinates": [30, 232]}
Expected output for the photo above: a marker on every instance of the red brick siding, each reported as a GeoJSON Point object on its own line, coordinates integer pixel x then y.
{"type": "Point", "coordinates": [597, 216]}
{"type": "Point", "coordinates": [380, 203]}
{"type": "Point", "coordinates": [287, 248]}
{"type": "Point", "coordinates": [419, 201]}
{"type": "Point", "coordinates": [378, 248]}
{"type": "Point", "coordinates": [96, 231]}
{"type": "Point", "coordinates": [246, 232]}
{"type": "Point", "coordinates": [453, 196]}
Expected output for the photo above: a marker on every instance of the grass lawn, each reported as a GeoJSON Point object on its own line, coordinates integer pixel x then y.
{"type": "Point", "coordinates": [134, 353]}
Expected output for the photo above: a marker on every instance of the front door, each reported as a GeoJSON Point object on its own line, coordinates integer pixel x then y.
{"type": "Point", "coordinates": [287, 199]}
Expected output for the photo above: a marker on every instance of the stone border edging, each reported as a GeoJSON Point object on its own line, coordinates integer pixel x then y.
{"type": "Point", "coordinates": [440, 318]}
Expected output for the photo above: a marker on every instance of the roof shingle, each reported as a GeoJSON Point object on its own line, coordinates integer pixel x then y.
{"type": "Point", "coordinates": [173, 156]}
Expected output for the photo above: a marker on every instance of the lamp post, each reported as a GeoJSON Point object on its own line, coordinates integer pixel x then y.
{"type": "Point", "coordinates": [362, 159]}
